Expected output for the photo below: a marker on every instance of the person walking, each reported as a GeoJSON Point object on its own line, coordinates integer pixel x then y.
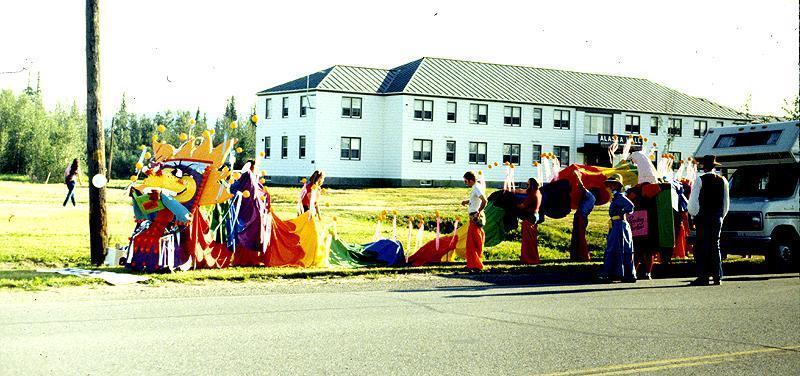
{"type": "Point", "coordinates": [618, 257]}
{"type": "Point", "coordinates": [708, 205]}
{"type": "Point", "coordinates": [529, 208]}
{"type": "Point", "coordinates": [578, 248]}
{"type": "Point", "coordinates": [477, 218]}
{"type": "Point", "coordinates": [72, 173]}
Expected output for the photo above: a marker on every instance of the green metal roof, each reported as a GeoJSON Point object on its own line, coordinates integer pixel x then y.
{"type": "Point", "coordinates": [511, 83]}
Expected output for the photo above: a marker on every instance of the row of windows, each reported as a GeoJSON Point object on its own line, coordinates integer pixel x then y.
{"type": "Point", "coordinates": [422, 151]}
{"type": "Point", "coordinates": [512, 117]}
{"type": "Point", "coordinates": [301, 149]}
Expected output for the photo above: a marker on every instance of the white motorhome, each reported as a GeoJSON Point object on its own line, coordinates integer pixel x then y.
{"type": "Point", "coordinates": [763, 165]}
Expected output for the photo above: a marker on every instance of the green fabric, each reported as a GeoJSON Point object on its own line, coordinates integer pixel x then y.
{"type": "Point", "coordinates": [494, 225]}
{"type": "Point", "coordinates": [218, 211]}
{"type": "Point", "coordinates": [349, 255]}
{"type": "Point", "coordinates": [666, 224]}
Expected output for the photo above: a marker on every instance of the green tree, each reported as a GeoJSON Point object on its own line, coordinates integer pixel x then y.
{"type": "Point", "coordinates": [791, 108]}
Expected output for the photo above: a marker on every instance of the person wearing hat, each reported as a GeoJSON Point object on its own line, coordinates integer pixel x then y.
{"type": "Point", "coordinates": [708, 206]}
{"type": "Point", "coordinates": [618, 256]}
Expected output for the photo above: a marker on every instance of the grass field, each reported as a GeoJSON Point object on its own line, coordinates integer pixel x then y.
{"type": "Point", "coordinates": [38, 232]}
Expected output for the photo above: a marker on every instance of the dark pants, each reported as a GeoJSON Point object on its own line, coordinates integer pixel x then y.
{"type": "Point", "coordinates": [70, 193]}
{"type": "Point", "coordinates": [706, 252]}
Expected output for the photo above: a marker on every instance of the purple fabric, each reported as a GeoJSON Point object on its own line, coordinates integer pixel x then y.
{"type": "Point", "coordinates": [251, 227]}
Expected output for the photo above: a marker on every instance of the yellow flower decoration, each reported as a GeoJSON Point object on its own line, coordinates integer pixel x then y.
{"type": "Point", "coordinates": [254, 118]}
{"type": "Point", "coordinates": [262, 181]}
{"type": "Point", "coordinates": [438, 214]}
{"type": "Point", "coordinates": [206, 134]}
{"type": "Point", "coordinates": [495, 163]}
{"type": "Point", "coordinates": [147, 155]}
{"type": "Point", "coordinates": [238, 150]}
{"type": "Point", "coordinates": [261, 154]}
{"type": "Point", "coordinates": [394, 212]}
{"type": "Point", "coordinates": [233, 125]}
{"type": "Point", "coordinates": [142, 147]}
{"type": "Point", "coordinates": [304, 180]}
{"type": "Point", "coordinates": [263, 173]}
{"type": "Point", "coordinates": [535, 163]}
{"type": "Point", "coordinates": [192, 122]}
{"type": "Point", "coordinates": [333, 218]}
{"type": "Point", "coordinates": [490, 166]}
{"type": "Point", "coordinates": [237, 175]}
{"type": "Point", "coordinates": [183, 137]}
{"type": "Point", "coordinates": [134, 178]}
{"type": "Point", "coordinates": [212, 131]}
{"type": "Point", "coordinates": [155, 138]}
{"type": "Point", "coordinates": [139, 165]}
{"type": "Point", "coordinates": [246, 194]}
{"type": "Point", "coordinates": [480, 172]}
{"type": "Point", "coordinates": [161, 128]}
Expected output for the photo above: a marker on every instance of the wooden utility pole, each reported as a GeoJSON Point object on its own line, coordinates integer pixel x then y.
{"type": "Point", "coordinates": [95, 144]}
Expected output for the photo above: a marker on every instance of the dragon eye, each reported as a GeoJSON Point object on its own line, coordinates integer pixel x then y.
{"type": "Point", "coordinates": [178, 173]}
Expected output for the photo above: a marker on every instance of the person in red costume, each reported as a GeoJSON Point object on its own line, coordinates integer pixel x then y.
{"type": "Point", "coordinates": [475, 235]}
{"type": "Point", "coordinates": [310, 193]}
{"type": "Point", "coordinates": [529, 209]}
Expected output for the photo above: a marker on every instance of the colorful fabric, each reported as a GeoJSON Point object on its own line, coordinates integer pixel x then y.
{"type": "Point", "coordinates": [529, 250]}
{"type": "Point", "coordinates": [474, 251]}
{"type": "Point", "coordinates": [383, 252]}
{"type": "Point", "coordinates": [618, 257]}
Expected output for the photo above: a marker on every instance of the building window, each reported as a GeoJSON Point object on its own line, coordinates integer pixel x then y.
{"type": "Point", "coordinates": [537, 117]}
{"type": "Point", "coordinates": [351, 107]}
{"type": "Point", "coordinates": [511, 153]}
{"type": "Point", "coordinates": [560, 119]}
{"type": "Point", "coordinates": [675, 127]}
{"type": "Point", "coordinates": [562, 152]}
{"type": "Point", "coordinates": [422, 150]}
{"type": "Point", "coordinates": [267, 108]}
{"type": "Point", "coordinates": [267, 147]}
{"type": "Point", "coordinates": [512, 116]}
{"type": "Point", "coordinates": [478, 113]}
{"type": "Point", "coordinates": [285, 108]}
{"type": "Point", "coordinates": [302, 147]}
{"type": "Point", "coordinates": [451, 112]}
{"type": "Point", "coordinates": [303, 105]}
{"type": "Point", "coordinates": [720, 124]}
{"type": "Point", "coordinates": [284, 147]}
{"type": "Point", "coordinates": [655, 123]}
{"type": "Point", "coordinates": [477, 152]}
{"type": "Point", "coordinates": [450, 152]}
{"type": "Point", "coordinates": [351, 148]}
{"type": "Point", "coordinates": [677, 161]}
{"type": "Point", "coordinates": [700, 128]}
{"type": "Point", "coordinates": [423, 110]}
{"type": "Point", "coordinates": [537, 153]}
{"type": "Point", "coordinates": [595, 123]}
{"type": "Point", "coordinates": [632, 124]}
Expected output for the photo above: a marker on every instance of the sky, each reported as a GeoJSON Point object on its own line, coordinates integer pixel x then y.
{"type": "Point", "coordinates": [182, 55]}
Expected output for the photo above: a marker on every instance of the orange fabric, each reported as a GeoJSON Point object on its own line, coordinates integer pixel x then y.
{"type": "Point", "coordinates": [284, 245]}
{"type": "Point", "coordinates": [475, 239]}
{"type": "Point", "coordinates": [428, 253]}
{"type": "Point", "coordinates": [680, 250]}
{"type": "Point", "coordinates": [529, 251]}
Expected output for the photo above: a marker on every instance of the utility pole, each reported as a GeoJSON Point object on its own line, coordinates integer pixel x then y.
{"type": "Point", "coordinates": [95, 143]}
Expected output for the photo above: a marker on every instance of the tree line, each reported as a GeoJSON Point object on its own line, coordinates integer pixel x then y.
{"type": "Point", "coordinates": [40, 143]}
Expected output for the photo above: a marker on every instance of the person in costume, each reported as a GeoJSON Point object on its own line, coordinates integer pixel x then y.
{"type": "Point", "coordinates": [529, 212]}
{"type": "Point", "coordinates": [250, 222]}
{"type": "Point", "coordinates": [618, 257]}
{"type": "Point", "coordinates": [72, 173]}
{"type": "Point", "coordinates": [475, 235]}
{"type": "Point", "coordinates": [309, 195]}
{"type": "Point", "coordinates": [579, 249]}
{"type": "Point", "coordinates": [708, 206]}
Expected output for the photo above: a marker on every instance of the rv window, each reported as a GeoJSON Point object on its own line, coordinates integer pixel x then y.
{"type": "Point", "coordinates": [748, 139]}
{"type": "Point", "coordinates": [762, 182]}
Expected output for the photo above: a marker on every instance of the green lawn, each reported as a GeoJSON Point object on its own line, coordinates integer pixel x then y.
{"type": "Point", "coordinates": [37, 231]}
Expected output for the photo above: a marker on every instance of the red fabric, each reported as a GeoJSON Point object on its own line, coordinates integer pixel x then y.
{"type": "Point", "coordinates": [207, 254]}
{"type": "Point", "coordinates": [284, 245]}
{"type": "Point", "coordinates": [429, 254]}
{"type": "Point", "coordinates": [592, 177]}
{"type": "Point", "coordinates": [650, 190]}
{"type": "Point", "coordinates": [529, 252]}
{"type": "Point", "coordinates": [680, 250]}
{"type": "Point", "coordinates": [248, 257]}
{"type": "Point", "coordinates": [579, 249]}
{"type": "Point", "coordinates": [475, 239]}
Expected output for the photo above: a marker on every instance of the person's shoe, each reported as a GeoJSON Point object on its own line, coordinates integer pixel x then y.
{"type": "Point", "coordinates": [603, 279]}
{"type": "Point", "coordinates": [716, 282]}
{"type": "Point", "coordinates": [648, 276]}
{"type": "Point", "coordinates": [629, 280]}
{"type": "Point", "coordinates": [699, 282]}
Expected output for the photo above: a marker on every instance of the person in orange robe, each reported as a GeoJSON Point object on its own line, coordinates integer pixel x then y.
{"type": "Point", "coordinates": [529, 210]}
{"type": "Point", "coordinates": [475, 235]}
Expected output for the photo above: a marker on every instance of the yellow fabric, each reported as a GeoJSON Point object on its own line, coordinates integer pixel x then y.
{"type": "Point", "coordinates": [307, 229]}
{"type": "Point", "coordinates": [460, 247]}
{"type": "Point", "coordinates": [624, 169]}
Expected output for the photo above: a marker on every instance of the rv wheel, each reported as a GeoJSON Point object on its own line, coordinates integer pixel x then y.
{"type": "Point", "coordinates": [782, 256]}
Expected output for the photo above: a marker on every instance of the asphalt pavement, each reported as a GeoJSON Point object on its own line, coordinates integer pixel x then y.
{"type": "Point", "coordinates": [407, 325]}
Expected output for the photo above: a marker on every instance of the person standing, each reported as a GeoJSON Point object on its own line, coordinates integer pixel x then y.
{"type": "Point", "coordinates": [578, 248]}
{"type": "Point", "coordinates": [309, 195]}
{"type": "Point", "coordinates": [618, 257]}
{"type": "Point", "coordinates": [475, 235]}
{"type": "Point", "coordinates": [708, 205]}
{"type": "Point", "coordinates": [529, 208]}
{"type": "Point", "coordinates": [72, 173]}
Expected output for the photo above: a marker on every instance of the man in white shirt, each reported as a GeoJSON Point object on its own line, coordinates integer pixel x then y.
{"type": "Point", "coordinates": [708, 205]}
{"type": "Point", "coordinates": [475, 235]}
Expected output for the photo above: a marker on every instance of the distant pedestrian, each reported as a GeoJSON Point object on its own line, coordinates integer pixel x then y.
{"type": "Point", "coordinates": [708, 205]}
{"type": "Point", "coordinates": [72, 173]}
{"type": "Point", "coordinates": [309, 195]}
{"type": "Point", "coordinates": [477, 219]}
{"type": "Point", "coordinates": [578, 247]}
{"type": "Point", "coordinates": [529, 208]}
{"type": "Point", "coordinates": [618, 257]}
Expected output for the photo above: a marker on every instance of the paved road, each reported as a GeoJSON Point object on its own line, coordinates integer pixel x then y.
{"type": "Point", "coordinates": [410, 325]}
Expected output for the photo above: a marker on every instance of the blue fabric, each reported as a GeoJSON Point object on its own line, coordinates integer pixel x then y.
{"type": "Point", "coordinates": [385, 250]}
{"type": "Point", "coordinates": [586, 204]}
{"type": "Point", "coordinates": [70, 193]}
{"type": "Point", "coordinates": [683, 205]}
{"type": "Point", "coordinates": [618, 257]}
{"type": "Point", "coordinates": [180, 211]}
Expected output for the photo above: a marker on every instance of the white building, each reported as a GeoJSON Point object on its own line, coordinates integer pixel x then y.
{"type": "Point", "coordinates": [428, 121]}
